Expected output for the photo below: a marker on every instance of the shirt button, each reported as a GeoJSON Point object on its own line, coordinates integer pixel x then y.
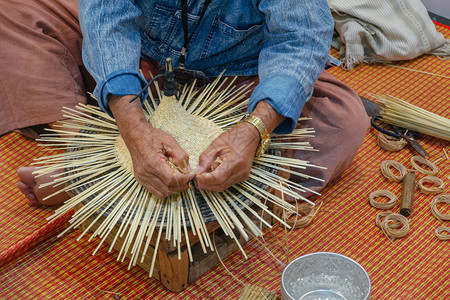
{"type": "Point", "coordinates": [163, 48]}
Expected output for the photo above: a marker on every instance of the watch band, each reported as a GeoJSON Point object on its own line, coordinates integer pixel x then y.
{"type": "Point", "coordinates": [263, 133]}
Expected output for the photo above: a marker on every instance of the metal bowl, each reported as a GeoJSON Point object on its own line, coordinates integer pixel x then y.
{"type": "Point", "coordinates": [324, 275]}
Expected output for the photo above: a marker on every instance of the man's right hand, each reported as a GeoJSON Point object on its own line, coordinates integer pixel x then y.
{"type": "Point", "coordinates": [150, 149]}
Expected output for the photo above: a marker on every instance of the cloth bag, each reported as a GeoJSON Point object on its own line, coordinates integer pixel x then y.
{"type": "Point", "coordinates": [384, 31]}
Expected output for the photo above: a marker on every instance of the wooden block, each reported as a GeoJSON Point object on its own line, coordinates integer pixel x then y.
{"type": "Point", "coordinates": [173, 271]}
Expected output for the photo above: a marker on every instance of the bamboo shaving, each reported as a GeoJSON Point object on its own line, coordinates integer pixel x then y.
{"type": "Point", "coordinates": [439, 233]}
{"type": "Point", "coordinates": [444, 198]}
{"type": "Point", "coordinates": [438, 187]}
{"type": "Point", "coordinates": [382, 205]}
{"type": "Point", "coordinates": [445, 153]}
{"type": "Point", "coordinates": [389, 143]}
{"type": "Point", "coordinates": [417, 160]}
{"type": "Point", "coordinates": [394, 225]}
{"type": "Point", "coordinates": [385, 169]}
{"type": "Point", "coordinates": [418, 71]}
{"type": "Point", "coordinates": [307, 212]}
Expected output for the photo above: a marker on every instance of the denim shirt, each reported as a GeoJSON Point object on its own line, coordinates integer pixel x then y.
{"type": "Point", "coordinates": [285, 42]}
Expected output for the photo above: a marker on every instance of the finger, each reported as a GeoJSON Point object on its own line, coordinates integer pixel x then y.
{"type": "Point", "coordinates": [221, 178]}
{"type": "Point", "coordinates": [207, 160]}
{"type": "Point", "coordinates": [179, 188]}
{"type": "Point", "coordinates": [169, 178]}
{"type": "Point", "coordinates": [216, 188]}
{"type": "Point", "coordinates": [179, 157]}
{"type": "Point", "coordinates": [215, 185]}
{"type": "Point", "coordinates": [166, 191]}
{"type": "Point", "coordinates": [153, 190]}
{"type": "Point", "coordinates": [180, 180]}
{"type": "Point", "coordinates": [204, 185]}
{"type": "Point", "coordinates": [168, 185]}
{"type": "Point", "coordinates": [153, 184]}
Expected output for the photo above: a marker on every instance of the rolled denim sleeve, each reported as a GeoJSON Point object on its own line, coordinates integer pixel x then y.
{"type": "Point", "coordinates": [298, 39]}
{"type": "Point", "coordinates": [111, 47]}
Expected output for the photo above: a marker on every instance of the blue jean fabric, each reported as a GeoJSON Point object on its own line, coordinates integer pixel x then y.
{"type": "Point", "coordinates": [285, 42]}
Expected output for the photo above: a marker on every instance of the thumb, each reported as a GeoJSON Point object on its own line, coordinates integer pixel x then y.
{"type": "Point", "coordinates": [206, 159]}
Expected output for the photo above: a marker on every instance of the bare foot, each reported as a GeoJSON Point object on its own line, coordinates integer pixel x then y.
{"type": "Point", "coordinates": [29, 186]}
{"type": "Point", "coordinates": [29, 183]}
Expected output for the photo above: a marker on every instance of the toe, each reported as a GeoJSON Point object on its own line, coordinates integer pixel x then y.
{"type": "Point", "coordinates": [29, 185]}
{"type": "Point", "coordinates": [26, 175]}
{"type": "Point", "coordinates": [31, 197]}
{"type": "Point", "coordinates": [25, 188]}
{"type": "Point", "coordinates": [33, 201]}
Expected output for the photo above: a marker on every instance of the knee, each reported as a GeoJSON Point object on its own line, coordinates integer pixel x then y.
{"type": "Point", "coordinates": [343, 107]}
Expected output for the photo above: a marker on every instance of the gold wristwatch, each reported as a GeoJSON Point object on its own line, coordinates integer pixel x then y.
{"type": "Point", "coordinates": [263, 133]}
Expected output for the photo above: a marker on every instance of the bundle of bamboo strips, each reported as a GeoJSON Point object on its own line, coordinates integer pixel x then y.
{"type": "Point", "coordinates": [96, 168]}
{"type": "Point", "coordinates": [401, 113]}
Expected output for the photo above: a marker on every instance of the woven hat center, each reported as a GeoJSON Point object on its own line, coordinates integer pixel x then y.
{"type": "Point", "coordinates": [193, 133]}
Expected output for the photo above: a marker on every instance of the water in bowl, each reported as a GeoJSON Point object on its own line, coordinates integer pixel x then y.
{"type": "Point", "coordinates": [325, 287]}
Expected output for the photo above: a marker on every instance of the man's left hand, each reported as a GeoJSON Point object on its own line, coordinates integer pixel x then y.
{"type": "Point", "coordinates": [235, 149]}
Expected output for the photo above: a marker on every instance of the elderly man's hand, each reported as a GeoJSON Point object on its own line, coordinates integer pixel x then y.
{"type": "Point", "coordinates": [236, 149]}
{"type": "Point", "coordinates": [150, 149]}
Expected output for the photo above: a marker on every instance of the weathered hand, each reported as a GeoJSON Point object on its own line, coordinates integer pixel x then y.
{"type": "Point", "coordinates": [236, 149]}
{"type": "Point", "coordinates": [150, 149]}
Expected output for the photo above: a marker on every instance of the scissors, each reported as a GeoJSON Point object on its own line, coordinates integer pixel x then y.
{"type": "Point", "coordinates": [374, 111]}
{"type": "Point", "coordinates": [396, 132]}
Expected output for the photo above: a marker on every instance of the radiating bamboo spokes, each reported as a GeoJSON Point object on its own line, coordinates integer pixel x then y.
{"type": "Point", "coordinates": [294, 140]}
{"type": "Point", "coordinates": [124, 213]}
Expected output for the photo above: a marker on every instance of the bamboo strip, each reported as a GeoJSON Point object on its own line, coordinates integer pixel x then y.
{"type": "Point", "coordinates": [141, 228]}
{"type": "Point", "coordinates": [114, 195]}
{"type": "Point", "coordinates": [157, 242]}
{"type": "Point", "coordinates": [186, 234]}
{"type": "Point", "coordinates": [128, 200]}
{"type": "Point", "coordinates": [132, 227]}
{"type": "Point", "coordinates": [151, 229]}
{"type": "Point", "coordinates": [257, 202]}
{"type": "Point", "coordinates": [80, 216]}
{"type": "Point", "coordinates": [95, 110]}
{"type": "Point", "coordinates": [253, 212]}
{"type": "Point", "coordinates": [401, 113]}
{"type": "Point", "coordinates": [93, 206]}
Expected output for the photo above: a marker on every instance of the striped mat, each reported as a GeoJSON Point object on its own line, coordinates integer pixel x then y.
{"type": "Point", "coordinates": [34, 264]}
